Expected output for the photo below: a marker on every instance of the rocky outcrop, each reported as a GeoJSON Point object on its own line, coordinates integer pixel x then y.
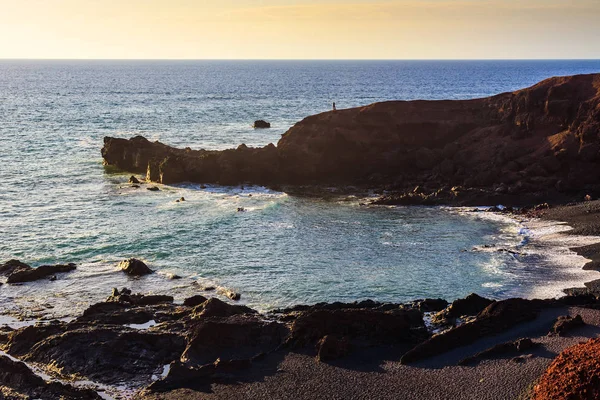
{"type": "Point", "coordinates": [134, 267]}
{"type": "Point", "coordinates": [528, 144]}
{"type": "Point", "coordinates": [19, 272]}
{"type": "Point", "coordinates": [17, 381]}
{"type": "Point", "coordinates": [572, 375]}
{"type": "Point", "coordinates": [261, 124]}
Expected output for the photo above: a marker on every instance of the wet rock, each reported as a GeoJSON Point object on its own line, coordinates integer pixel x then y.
{"type": "Point", "coordinates": [194, 301]}
{"type": "Point", "coordinates": [430, 305]}
{"type": "Point", "coordinates": [260, 124]}
{"type": "Point", "coordinates": [470, 305]}
{"type": "Point", "coordinates": [229, 294]}
{"type": "Point", "coordinates": [153, 189]}
{"type": "Point", "coordinates": [495, 318]}
{"type": "Point", "coordinates": [235, 337]}
{"type": "Point", "coordinates": [12, 265]}
{"type": "Point", "coordinates": [20, 274]}
{"type": "Point", "coordinates": [17, 381]}
{"type": "Point", "coordinates": [134, 267]}
{"type": "Point", "coordinates": [332, 347]}
{"type": "Point", "coordinates": [566, 323]}
{"type": "Point", "coordinates": [133, 179]}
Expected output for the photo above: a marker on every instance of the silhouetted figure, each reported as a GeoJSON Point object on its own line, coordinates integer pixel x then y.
{"type": "Point", "coordinates": [334, 106]}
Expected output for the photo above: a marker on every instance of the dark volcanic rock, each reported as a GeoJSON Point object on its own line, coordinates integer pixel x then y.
{"type": "Point", "coordinates": [17, 381]}
{"type": "Point", "coordinates": [373, 326]}
{"type": "Point", "coordinates": [194, 301]}
{"type": "Point", "coordinates": [234, 337]}
{"type": "Point", "coordinates": [11, 265]}
{"type": "Point", "coordinates": [214, 307]}
{"type": "Point", "coordinates": [459, 152]}
{"type": "Point", "coordinates": [107, 354]}
{"type": "Point", "coordinates": [25, 273]}
{"type": "Point", "coordinates": [566, 323]}
{"type": "Point", "coordinates": [509, 349]}
{"type": "Point", "coordinates": [495, 318]}
{"type": "Point", "coordinates": [332, 347]}
{"type": "Point", "coordinates": [473, 304]}
{"type": "Point", "coordinates": [260, 124]}
{"type": "Point", "coordinates": [133, 179]}
{"type": "Point", "coordinates": [134, 267]}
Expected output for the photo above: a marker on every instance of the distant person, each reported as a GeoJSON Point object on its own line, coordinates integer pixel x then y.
{"type": "Point", "coordinates": [334, 106]}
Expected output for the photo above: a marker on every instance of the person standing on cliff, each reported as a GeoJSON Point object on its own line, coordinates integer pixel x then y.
{"type": "Point", "coordinates": [334, 106]}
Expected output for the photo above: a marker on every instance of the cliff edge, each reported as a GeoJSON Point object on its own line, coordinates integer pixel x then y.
{"type": "Point", "coordinates": [533, 142]}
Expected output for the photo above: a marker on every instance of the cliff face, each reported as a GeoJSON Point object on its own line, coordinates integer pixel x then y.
{"type": "Point", "coordinates": [538, 139]}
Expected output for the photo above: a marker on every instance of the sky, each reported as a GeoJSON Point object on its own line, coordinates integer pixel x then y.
{"type": "Point", "coordinates": [300, 29]}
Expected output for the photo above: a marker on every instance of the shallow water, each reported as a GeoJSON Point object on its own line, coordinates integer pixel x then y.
{"type": "Point", "coordinates": [59, 204]}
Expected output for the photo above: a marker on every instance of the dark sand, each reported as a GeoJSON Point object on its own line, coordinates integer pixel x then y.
{"type": "Point", "coordinates": [371, 376]}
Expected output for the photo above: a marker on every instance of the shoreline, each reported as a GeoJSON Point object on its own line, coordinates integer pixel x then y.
{"type": "Point", "coordinates": [544, 232]}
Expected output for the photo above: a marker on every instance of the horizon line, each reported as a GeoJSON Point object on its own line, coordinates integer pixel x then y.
{"type": "Point", "coordinates": [295, 59]}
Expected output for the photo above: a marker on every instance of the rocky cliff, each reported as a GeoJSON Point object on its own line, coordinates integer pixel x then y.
{"type": "Point", "coordinates": [535, 142]}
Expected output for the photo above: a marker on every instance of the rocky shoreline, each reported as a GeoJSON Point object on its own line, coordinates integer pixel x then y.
{"type": "Point", "coordinates": [531, 146]}
{"type": "Point", "coordinates": [146, 346]}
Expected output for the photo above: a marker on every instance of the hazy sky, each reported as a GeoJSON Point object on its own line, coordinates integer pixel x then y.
{"type": "Point", "coordinates": [282, 29]}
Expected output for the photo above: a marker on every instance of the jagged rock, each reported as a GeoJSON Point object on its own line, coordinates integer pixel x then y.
{"type": "Point", "coordinates": [214, 307]}
{"type": "Point", "coordinates": [17, 381]}
{"type": "Point", "coordinates": [473, 304]}
{"type": "Point", "coordinates": [331, 347]}
{"type": "Point", "coordinates": [133, 179]}
{"type": "Point", "coordinates": [495, 318]}
{"type": "Point", "coordinates": [374, 326]}
{"type": "Point", "coordinates": [478, 145]}
{"type": "Point", "coordinates": [572, 375]}
{"type": "Point", "coordinates": [194, 301]}
{"type": "Point", "coordinates": [235, 337]}
{"type": "Point", "coordinates": [501, 350]}
{"type": "Point", "coordinates": [134, 267]}
{"type": "Point", "coordinates": [565, 323]}
{"type": "Point", "coordinates": [107, 354]}
{"type": "Point", "coordinates": [260, 124]}
{"type": "Point", "coordinates": [22, 274]}
{"type": "Point", "coordinates": [11, 265]}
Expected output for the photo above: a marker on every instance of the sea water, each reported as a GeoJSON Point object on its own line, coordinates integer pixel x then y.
{"type": "Point", "coordinates": [59, 204]}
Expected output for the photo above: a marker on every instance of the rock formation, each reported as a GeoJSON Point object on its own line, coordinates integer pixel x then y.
{"type": "Point", "coordinates": [535, 141]}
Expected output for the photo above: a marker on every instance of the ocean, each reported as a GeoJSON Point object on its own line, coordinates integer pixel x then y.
{"type": "Point", "coordinates": [59, 204]}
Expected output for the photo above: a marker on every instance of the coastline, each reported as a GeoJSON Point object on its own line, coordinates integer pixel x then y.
{"type": "Point", "coordinates": [544, 234]}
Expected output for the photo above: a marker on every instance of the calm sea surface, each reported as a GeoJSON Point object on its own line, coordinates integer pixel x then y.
{"type": "Point", "coordinates": [59, 204]}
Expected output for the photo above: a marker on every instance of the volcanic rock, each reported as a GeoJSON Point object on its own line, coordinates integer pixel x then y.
{"type": "Point", "coordinates": [134, 267]}
{"type": "Point", "coordinates": [260, 124]}
{"type": "Point", "coordinates": [22, 274]}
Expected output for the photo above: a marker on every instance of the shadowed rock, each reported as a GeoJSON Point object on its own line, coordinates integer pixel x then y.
{"type": "Point", "coordinates": [134, 267]}
{"type": "Point", "coordinates": [17, 381]}
{"type": "Point", "coordinates": [19, 272]}
{"type": "Point", "coordinates": [517, 147]}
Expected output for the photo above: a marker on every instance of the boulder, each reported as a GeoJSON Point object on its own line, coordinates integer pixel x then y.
{"type": "Point", "coordinates": [134, 267]}
{"type": "Point", "coordinates": [566, 323]}
{"type": "Point", "coordinates": [260, 124]}
{"type": "Point", "coordinates": [194, 301]}
{"type": "Point", "coordinates": [133, 179]}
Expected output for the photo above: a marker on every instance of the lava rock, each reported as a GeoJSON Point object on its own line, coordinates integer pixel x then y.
{"type": "Point", "coordinates": [260, 124]}
{"type": "Point", "coordinates": [134, 267]}
{"type": "Point", "coordinates": [20, 274]}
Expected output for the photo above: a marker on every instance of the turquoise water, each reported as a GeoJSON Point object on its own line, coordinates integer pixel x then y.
{"type": "Point", "coordinates": [59, 204]}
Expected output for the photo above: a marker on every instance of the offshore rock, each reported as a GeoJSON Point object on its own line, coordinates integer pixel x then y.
{"type": "Point", "coordinates": [522, 146]}
{"type": "Point", "coordinates": [24, 273]}
{"type": "Point", "coordinates": [261, 124]}
{"type": "Point", "coordinates": [134, 267]}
